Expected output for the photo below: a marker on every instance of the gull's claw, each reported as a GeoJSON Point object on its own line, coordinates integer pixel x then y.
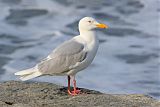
{"type": "Point", "coordinates": [74, 92]}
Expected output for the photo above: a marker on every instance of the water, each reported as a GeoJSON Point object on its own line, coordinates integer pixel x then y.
{"type": "Point", "coordinates": [127, 60]}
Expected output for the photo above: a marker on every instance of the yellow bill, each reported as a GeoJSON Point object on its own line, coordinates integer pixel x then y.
{"type": "Point", "coordinates": [101, 25]}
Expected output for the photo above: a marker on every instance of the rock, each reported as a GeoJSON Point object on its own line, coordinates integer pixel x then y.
{"type": "Point", "coordinates": [35, 94]}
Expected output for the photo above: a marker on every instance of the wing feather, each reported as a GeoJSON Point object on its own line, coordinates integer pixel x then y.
{"type": "Point", "coordinates": [62, 58]}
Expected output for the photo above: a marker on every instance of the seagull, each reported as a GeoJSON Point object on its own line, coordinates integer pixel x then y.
{"type": "Point", "coordinates": [70, 57]}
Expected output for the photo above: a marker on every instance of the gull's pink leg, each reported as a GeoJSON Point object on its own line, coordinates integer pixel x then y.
{"type": "Point", "coordinates": [69, 92]}
{"type": "Point", "coordinates": [75, 91]}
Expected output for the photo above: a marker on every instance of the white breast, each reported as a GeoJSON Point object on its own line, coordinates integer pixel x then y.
{"type": "Point", "coordinates": [92, 48]}
{"type": "Point", "coordinates": [91, 44]}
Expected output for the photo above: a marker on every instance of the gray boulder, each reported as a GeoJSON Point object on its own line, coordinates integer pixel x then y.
{"type": "Point", "coordinates": [35, 94]}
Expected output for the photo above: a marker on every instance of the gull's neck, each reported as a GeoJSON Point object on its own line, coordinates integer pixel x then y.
{"type": "Point", "coordinates": [88, 36]}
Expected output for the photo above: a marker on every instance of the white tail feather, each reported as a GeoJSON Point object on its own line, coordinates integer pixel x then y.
{"type": "Point", "coordinates": [25, 72]}
{"type": "Point", "coordinates": [28, 74]}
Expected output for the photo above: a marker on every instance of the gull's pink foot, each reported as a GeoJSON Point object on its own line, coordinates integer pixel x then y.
{"type": "Point", "coordinates": [69, 92]}
{"type": "Point", "coordinates": [76, 91]}
{"type": "Point", "coordinates": [73, 93]}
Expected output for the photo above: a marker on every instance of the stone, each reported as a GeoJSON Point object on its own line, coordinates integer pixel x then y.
{"type": "Point", "coordinates": [36, 94]}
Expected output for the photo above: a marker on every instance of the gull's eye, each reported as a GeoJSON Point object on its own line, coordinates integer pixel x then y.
{"type": "Point", "coordinates": [89, 21]}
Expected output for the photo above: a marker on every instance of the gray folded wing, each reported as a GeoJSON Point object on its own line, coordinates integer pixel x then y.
{"type": "Point", "coordinates": [63, 58]}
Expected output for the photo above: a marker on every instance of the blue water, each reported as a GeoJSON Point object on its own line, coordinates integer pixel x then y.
{"type": "Point", "coordinates": [128, 57]}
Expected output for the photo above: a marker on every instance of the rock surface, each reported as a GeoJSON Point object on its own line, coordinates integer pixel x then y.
{"type": "Point", "coordinates": [35, 94]}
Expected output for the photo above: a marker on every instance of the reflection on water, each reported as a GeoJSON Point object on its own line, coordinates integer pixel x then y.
{"type": "Point", "coordinates": [127, 60]}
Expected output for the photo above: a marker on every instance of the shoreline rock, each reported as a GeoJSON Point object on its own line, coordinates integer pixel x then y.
{"type": "Point", "coordinates": [38, 94]}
